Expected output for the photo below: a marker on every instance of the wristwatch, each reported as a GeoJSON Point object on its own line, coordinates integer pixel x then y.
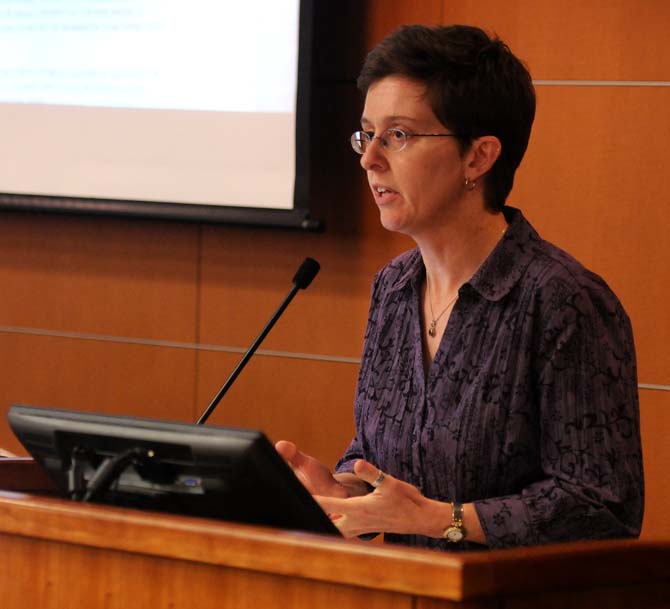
{"type": "Point", "coordinates": [455, 532]}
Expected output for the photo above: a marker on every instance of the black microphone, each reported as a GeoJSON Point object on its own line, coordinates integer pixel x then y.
{"type": "Point", "coordinates": [302, 278]}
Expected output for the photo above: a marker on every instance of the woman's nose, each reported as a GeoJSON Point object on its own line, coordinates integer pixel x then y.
{"type": "Point", "coordinates": [374, 155]}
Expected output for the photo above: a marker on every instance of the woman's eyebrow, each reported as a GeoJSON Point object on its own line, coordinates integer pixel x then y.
{"type": "Point", "coordinates": [389, 119]}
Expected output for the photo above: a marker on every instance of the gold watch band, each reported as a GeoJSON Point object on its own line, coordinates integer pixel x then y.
{"type": "Point", "coordinates": [455, 532]}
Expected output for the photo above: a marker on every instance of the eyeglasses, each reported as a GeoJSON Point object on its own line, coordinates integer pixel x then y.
{"type": "Point", "coordinates": [391, 139]}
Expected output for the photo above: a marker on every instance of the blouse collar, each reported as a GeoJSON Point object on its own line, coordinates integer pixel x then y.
{"type": "Point", "coordinates": [501, 270]}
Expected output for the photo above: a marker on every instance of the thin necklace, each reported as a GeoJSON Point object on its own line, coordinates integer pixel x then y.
{"type": "Point", "coordinates": [433, 322]}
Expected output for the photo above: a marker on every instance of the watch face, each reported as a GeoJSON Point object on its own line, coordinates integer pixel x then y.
{"type": "Point", "coordinates": [454, 534]}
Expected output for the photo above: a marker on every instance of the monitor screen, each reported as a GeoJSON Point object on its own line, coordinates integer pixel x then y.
{"type": "Point", "coordinates": [215, 472]}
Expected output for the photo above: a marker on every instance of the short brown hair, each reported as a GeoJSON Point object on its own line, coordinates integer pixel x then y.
{"type": "Point", "coordinates": [476, 87]}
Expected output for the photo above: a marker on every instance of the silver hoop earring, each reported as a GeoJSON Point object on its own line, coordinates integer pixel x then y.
{"type": "Point", "coordinates": [470, 185]}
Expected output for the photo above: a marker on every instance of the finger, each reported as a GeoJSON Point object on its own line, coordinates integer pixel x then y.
{"type": "Point", "coordinates": [337, 505]}
{"type": "Point", "coordinates": [347, 516]}
{"type": "Point", "coordinates": [369, 473]}
{"type": "Point", "coordinates": [287, 450]}
{"type": "Point", "coordinates": [342, 524]}
{"type": "Point", "coordinates": [296, 458]}
{"type": "Point", "coordinates": [336, 510]}
{"type": "Point", "coordinates": [325, 506]}
{"type": "Point", "coordinates": [290, 453]}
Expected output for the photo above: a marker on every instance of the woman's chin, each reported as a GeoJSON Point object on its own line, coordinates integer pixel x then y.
{"type": "Point", "coordinates": [393, 222]}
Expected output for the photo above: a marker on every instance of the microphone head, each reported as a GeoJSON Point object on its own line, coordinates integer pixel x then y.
{"type": "Point", "coordinates": [307, 271]}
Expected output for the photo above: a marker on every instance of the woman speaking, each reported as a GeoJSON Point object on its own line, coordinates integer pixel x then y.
{"type": "Point", "coordinates": [497, 397]}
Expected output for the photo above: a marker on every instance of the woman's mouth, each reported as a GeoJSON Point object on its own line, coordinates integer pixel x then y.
{"type": "Point", "coordinates": [383, 194]}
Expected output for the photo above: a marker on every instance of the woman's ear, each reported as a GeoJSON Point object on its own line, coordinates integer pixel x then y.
{"type": "Point", "coordinates": [483, 153]}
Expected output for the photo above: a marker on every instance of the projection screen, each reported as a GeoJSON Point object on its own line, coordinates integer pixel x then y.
{"type": "Point", "coordinates": [156, 108]}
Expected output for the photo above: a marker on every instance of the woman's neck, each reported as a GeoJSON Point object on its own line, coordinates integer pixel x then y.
{"type": "Point", "coordinates": [453, 252]}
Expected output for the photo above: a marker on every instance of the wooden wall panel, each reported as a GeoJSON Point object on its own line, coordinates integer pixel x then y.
{"type": "Point", "coordinates": [306, 401]}
{"type": "Point", "coordinates": [655, 423]}
{"type": "Point", "coordinates": [384, 16]}
{"type": "Point", "coordinates": [241, 292]}
{"type": "Point", "coordinates": [572, 39]}
{"type": "Point", "coordinates": [591, 183]}
{"type": "Point", "coordinates": [94, 375]}
{"type": "Point", "coordinates": [101, 275]}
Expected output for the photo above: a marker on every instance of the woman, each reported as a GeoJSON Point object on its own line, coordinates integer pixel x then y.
{"type": "Point", "coordinates": [497, 397]}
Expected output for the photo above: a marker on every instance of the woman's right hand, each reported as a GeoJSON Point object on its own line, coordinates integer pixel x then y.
{"type": "Point", "coordinates": [314, 475]}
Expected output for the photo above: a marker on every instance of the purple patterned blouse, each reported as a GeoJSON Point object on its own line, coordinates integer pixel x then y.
{"type": "Point", "coordinates": [529, 409]}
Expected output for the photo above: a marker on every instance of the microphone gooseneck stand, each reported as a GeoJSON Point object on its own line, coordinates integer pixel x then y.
{"type": "Point", "coordinates": [303, 277]}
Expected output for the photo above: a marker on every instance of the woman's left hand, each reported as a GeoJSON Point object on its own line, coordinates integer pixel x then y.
{"type": "Point", "coordinates": [393, 507]}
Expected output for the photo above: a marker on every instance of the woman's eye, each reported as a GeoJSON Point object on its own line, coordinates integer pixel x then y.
{"type": "Point", "coordinates": [397, 134]}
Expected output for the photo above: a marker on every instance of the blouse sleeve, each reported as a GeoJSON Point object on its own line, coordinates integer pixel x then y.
{"type": "Point", "coordinates": [585, 382]}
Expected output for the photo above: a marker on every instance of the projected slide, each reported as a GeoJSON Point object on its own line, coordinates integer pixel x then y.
{"type": "Point", "coordinates": [150, 100]}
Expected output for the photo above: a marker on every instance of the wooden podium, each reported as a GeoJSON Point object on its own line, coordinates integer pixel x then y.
{"type": "Point", "coordinates": [61, 554]}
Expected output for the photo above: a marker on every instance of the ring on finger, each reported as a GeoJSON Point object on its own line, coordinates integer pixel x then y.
{"type": "Point", "coordinates": [379, 479]}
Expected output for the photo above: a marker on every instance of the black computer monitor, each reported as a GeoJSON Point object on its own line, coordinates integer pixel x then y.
{"type": "Point", "coordinates": [215, 472]}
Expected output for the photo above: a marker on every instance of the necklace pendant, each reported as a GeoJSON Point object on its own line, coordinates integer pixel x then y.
{"type": "Point", "coordinates": [431, 329]}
